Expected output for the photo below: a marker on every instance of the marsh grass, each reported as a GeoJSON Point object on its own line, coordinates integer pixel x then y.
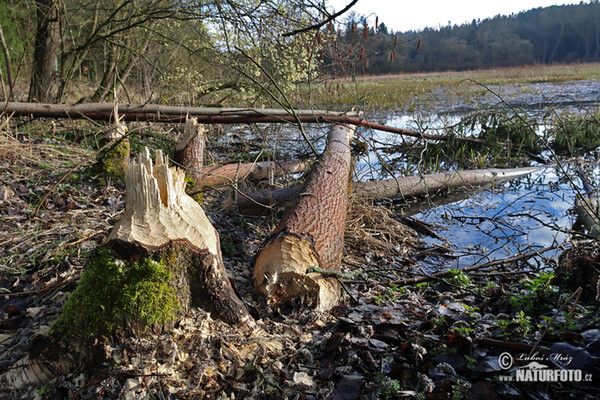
{"type": "Point", "coordinates": [574, 134]}
{"type": "Point", "coordinates": [406, 91]}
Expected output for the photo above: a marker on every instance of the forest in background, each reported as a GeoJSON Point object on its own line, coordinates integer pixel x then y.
{"type": "Point", "coordinates": [252, 53]}
{"type": "Point", "coordinates": [557, 34]}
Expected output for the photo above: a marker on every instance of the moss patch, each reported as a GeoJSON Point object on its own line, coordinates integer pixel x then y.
{"type": "Point", "coordinates": [113, 162]}
{"type": "Point", "coordinates": [112, 291]}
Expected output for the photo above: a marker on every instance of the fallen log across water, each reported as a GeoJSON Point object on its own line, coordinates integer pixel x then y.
{"type": "Point", "coordinates": [311, 234]}
{"type": "Point", "coordinates": [160, 113]}
{"type": "Point", "coordinates": [257, 202]}
{"type": "Point", "coordinates": [217, 115]}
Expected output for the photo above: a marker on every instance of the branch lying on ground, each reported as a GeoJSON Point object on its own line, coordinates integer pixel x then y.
{"type": "Point", "coordinates": [520, 257]}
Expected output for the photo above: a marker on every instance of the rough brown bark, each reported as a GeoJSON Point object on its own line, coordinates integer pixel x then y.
{"type": "Point", "coordinates": [311, 233]}
{"type": "Point", "coordinates": [189, 151]}
{"type": "Point", "coordinates": [45, 55]}
{"type": "Point", "coordinates": [257, 202]}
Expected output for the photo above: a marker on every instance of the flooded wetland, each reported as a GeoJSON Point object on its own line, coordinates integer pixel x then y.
{"type": "Point", "coordinates": [466, 292]}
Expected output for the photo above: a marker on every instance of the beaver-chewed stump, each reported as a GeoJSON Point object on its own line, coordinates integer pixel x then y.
{"type": "Point", "coordinates": [161, 258]}
{"type": "Point", "coordinates": [311, 234]}
{"type": "Point", "coordinates": [167, 242]}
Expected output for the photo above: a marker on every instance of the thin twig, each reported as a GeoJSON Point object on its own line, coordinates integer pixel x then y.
{"type": "Point", "coordinates": [412, 281]}
{"type": "Point", "coordinates": [549, 324]}
{"type": "Point", "coordinates": [322, 23]}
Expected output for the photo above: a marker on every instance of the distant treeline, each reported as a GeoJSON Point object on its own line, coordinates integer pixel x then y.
{"type": "Point", "coordinates": [557, 34]}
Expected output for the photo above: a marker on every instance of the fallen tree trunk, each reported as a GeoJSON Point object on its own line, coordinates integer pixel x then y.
{"type": "Point", "coordinates": [206, 115]}
{"type": "Point", "coordinates": [162, 258]}
{"type": "Point", "coordinates": [216, 115]}
{"type": "Point", "coordinates": [154, 112]}
{"type": "Point", "coordinates": [311, 233]}
{"type": "Point", "coordinates": [219, 175]}
{"type": "Point", "coordinates": [257, 202]}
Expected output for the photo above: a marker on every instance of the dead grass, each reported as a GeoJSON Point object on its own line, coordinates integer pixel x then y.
{"type": "Point", "coordinates": [373, 227]}
{"type": "Point", "coordinates": [71, 220]}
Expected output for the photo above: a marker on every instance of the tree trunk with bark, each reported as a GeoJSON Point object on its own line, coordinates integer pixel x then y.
{"type": "Point", "coordinates": [7, 64]}
{"type": "Point", "coordinates": [311, 234]}
{"type": "Point", "coordinates": [219, 175]}
{"type": "Point", "coordinates": [257, 202]}
{"type": "Point", "coordinates": [155, 112]}
{"type": "Point", "coordinates": [189, 151]}
{"type": "Point", "coordinates": [44, 77]}
{"type": "Point", "coordinates": [162, 258]}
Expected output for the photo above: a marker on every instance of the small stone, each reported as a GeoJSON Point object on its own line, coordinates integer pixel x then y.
{"type": "Point", "coordinates": [33, 311]}
{"type": "Point", "coordinates": [60, 297]}
{"type": "Point", "coordinates": [302, 379]}
{"type": "Point", "coordinates": [131, 383]}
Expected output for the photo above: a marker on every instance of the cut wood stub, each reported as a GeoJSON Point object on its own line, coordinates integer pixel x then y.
{"type": "Point", "coordinates": [189, 151]}
{"type": "Point", "coordinates": [311, 233]}
{"type": "Point", "coordinates": [158, 215]}
{"type": "Point", "coordinates": [280, 274]}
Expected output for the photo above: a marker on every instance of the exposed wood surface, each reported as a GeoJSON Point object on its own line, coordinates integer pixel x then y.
{"type": "Point", "coordinates": [311, 233]}
{"type": "Point", "coordinates": [257, 202]}
{"type": "Point", "coordinates": [159, 214]}
{"type": "Point", "coordinates": [189, 151]}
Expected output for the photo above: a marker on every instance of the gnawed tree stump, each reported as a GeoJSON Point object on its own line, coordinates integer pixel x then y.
{"type": "Point", "coordinates": [189, 152]}
{"type": "Point", "coordinates": [161, 258]}
{"type": "Point", "coordinates": [160, 217]}
{"type": "Point", "coordinates": [311, 234]}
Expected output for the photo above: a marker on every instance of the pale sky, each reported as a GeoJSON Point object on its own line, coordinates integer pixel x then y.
{"type": "Point", "coordinates": [405, 15]}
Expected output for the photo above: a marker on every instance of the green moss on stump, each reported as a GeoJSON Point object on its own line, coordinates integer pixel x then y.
{"type": "Point", "coordinates": [113, 163]}
{"type": "Point", "coordinates": [111, 292]}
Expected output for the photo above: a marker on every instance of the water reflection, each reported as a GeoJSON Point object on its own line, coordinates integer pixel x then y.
{"type": "Point", "coordinates": [504, 221]}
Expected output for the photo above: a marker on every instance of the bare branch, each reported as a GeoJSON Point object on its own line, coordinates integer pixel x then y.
{"type": "Point", "coordinates": [322, 23]}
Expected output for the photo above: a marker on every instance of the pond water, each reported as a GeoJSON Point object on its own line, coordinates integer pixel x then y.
{"type": "Point", "coordinates": [526, 214]}
{"type": "Point", "coordinates": [530, 213]}
{"type": "Point", "coordinates": [515, 217]}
